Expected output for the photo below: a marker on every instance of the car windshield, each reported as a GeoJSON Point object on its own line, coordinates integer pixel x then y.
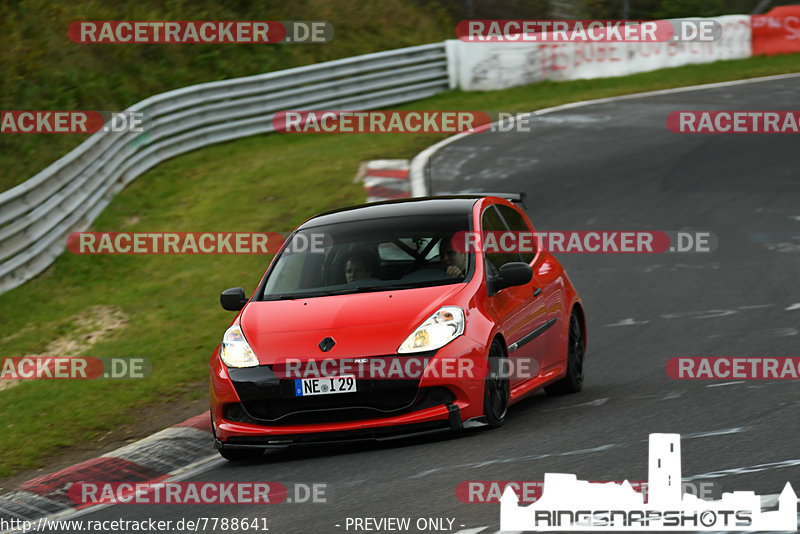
{"type": "Point", "coordinates": [370, 255]}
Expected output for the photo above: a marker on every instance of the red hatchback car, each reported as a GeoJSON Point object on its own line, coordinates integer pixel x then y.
{"type": "Point", "coordinates": [370, 323]}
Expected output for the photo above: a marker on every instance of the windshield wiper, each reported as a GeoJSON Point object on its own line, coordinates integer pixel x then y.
{"type": "Point", "coordinates": [343, 291]}
{"type": "Point", "coordinates": [293, 296]}
{"type": "Point", "coordinates": [364, 289]}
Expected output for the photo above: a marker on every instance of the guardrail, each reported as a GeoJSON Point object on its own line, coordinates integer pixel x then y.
{"type": "Point", "coordinates": [37, 216]}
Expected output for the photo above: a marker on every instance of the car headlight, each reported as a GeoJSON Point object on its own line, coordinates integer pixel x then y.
{"type": "Point", "coordinates": [235, 351]}
{"type": "Point", "coordinates": [437, 331]}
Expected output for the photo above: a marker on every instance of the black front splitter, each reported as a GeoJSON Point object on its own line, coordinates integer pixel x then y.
{"type": "Point", "coordinates": [379, 434]}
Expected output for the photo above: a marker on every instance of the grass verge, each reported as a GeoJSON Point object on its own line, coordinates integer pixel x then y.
{"type": "Point", "coordinates": [43, 70]}
{"type": "Point", "coordinates": [168, 305]}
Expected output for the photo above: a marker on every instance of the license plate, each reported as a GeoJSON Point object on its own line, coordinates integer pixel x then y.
{"type": "Point", "coordinates": [304, 387]}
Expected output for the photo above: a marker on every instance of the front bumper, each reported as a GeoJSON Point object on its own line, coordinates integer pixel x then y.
{"type": "Point", "coordinates": [252, 408]}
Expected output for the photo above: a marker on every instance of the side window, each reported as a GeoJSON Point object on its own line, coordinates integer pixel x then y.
{"type": "Point", "coordinates": [492, 222]}
{"type": "Point", "coordinates": [517, 224]}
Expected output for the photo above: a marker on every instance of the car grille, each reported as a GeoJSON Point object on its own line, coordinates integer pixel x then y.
{"type": "Point", "coordinates": [268, 399]}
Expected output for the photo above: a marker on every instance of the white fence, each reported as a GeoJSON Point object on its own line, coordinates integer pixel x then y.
{"type": "Point", "coordinates": [488, 66]}
{"type": "Point", "coordinates": [37, 216]}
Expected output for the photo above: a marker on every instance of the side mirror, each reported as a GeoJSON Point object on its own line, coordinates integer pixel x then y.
{"type": "Point", "coordinates": [233, 299]}
{"type": "Point", "coordinates": [516, 273]}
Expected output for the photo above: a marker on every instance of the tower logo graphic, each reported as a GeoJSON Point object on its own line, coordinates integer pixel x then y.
{"type": "Point", "coordinates": [569, 504]}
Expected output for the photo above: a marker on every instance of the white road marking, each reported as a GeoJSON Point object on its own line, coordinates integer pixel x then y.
{"type": "Point", "coordinates": [783, 247]}
{"type": "Point", "coordinates": [675, 267]}
{"type": "Point", "coordinates": [600, 448]}
{"type": "Point", "coordinates": [768, 501]}
{"type": "Point", "coordinates": [704, 314]}
{"type": "Point", "coordinates": [725, 384]}
{"type": "Point", "coordinates": [596, 402]}
{"type": "Point", "coordinates": [627, 322]}
{"type": "Point", "coordinates": [721, 432]}
{"type": "Point", "coordinates": [713, 314]}
{"type": "Point", "coordinates": [784, 332]}
{"type": "Point", "coordinates": [748, 469]}
{"type": "Point", "coordinates": [389, 164]}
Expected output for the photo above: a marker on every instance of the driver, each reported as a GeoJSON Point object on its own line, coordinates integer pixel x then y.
{"type": "Point", "coordinates": [454, 262]}
{"type": "Point", "coordinates": [359, 265]}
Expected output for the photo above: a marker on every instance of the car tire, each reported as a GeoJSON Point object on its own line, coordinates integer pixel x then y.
{"type": "Point", "coordinates": [241, 455]}
{"type": "Point", "coordinates": [576, 349]}
{"type": "Point", "coordinates": [496, 392]}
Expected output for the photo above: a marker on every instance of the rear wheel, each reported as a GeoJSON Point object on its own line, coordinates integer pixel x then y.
{"type": "Point", "coordinates": [576, 347]}
{"type": "Point", "coordinates": [497, 391]}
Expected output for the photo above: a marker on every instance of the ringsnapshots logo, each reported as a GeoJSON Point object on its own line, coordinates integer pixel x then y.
{"type": "Point", "coordinates": [569, 504]}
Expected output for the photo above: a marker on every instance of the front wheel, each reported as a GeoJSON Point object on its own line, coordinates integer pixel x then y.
{"type": "Point", "coordinates": [576, 347]}
{"type": "Point", "coordinates": [497, 391]}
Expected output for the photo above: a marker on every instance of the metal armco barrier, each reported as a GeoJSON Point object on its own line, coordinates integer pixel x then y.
{"type": "Point", "coordinates": [37, 216]}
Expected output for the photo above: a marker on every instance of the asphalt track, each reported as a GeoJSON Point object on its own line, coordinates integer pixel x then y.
{"type": "Point", "coordinates": [609, 166]}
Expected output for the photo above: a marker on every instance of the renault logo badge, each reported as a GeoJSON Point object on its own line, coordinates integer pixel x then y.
{"type": "Point", "coordinates": [327, 344]}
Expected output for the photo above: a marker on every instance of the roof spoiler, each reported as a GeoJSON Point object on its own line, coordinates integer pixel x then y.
{"type": "Point", "coordinates": [516, 198]}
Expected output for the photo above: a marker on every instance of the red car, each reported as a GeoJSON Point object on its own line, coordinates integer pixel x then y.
{"type": "Point", "coordinates": [372, 322]}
